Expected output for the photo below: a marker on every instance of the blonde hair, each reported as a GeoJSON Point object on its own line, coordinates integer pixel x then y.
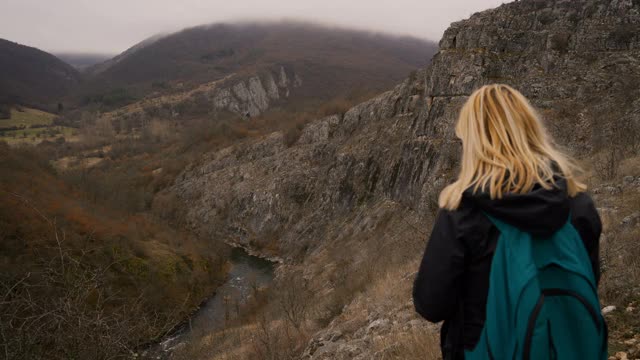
{"type": "Point", "coordinates": [505, 148]}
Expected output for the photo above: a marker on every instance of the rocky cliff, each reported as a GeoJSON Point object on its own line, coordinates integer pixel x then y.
{"type": "Point", "coordinates": [398, 146]}
{"type": "Point", "coordinates": [244, 95]}
{"type": "Point", "coordinates": [253, 97]}
{"type": "Point", "coordinates": [348, 206]}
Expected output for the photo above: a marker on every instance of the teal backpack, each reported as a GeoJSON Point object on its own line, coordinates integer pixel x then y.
{"type": "Point", "coordinates": [542, 301]}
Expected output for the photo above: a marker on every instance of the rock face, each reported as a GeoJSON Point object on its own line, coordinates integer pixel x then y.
{"type": "Point", "coordinates": [247, 97]}
{"type": "Point", "coordinates": [399, 145]}
{"type": "Point", "coordinates": [254, 96]}
{"type": "Point", "coordinates": [362, 178]}
{"type": "Point", "coordinates": [569, 57]}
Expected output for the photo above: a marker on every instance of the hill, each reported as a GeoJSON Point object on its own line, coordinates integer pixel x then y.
{"type": "Point", "coordinates": [329, 61]}
{"type": "Point", "coordinates": [81, 61]}
{"type": "Point", "coordinates": [107, 63]}
{"type": "Point", "coordinates": [33, 77]}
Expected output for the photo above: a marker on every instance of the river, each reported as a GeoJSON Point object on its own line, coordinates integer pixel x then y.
{"type": "Point", "coordinates": [246, 274]}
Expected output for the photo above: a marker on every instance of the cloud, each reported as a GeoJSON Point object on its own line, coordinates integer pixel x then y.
{"type": "Point", "coordinates": [113, 26]}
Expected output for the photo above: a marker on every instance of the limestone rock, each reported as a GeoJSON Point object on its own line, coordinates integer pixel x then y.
{"type": "Point", "coordinates": [319, 131]}
{"type": "Point", "coordinates": [253, 96]}
{"type": "Point", "coordinates": [621, 355]}
{"type": "Point", "coordinates": [224, 99]}
{"type": "Point", "coordinates": [258, 94]}
{"type": "Point", "coordinates": [284, 80]}
{"type": "Point", "coordinates": [241, 91]}
{"type": "Point", "coordinates": [631, 220]}
{"type": "Point", "coordinates": [272, 88]}
{"type": "Point", "coordinates": [379, 325]}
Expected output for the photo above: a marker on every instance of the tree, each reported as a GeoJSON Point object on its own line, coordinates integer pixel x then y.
{"type": "Point", "coordinates": [293, 298]}
{"type": "Point", "coordinates": [5, 111]}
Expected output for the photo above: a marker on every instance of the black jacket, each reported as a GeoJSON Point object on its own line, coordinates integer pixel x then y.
{"type": "Point", "coordinates": [453, 279]}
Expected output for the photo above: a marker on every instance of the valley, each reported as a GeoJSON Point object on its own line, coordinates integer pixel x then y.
{"type": "Point", "coordinates": [89, 174]}
{"type": "Point", "coordinates": [248, 277]}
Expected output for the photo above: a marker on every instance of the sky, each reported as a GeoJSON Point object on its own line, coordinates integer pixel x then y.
{"type": "Point", "coordinates": [112, 26]}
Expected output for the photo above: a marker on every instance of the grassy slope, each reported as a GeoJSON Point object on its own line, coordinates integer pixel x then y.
{"type": "Point", "coordinates": [27, 117]}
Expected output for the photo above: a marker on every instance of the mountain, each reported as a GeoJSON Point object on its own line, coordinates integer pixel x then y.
{"type": "Point", "coordinates": [330, 61]}
{"type": "Point", "coordinates": [81, 61]}
{"type": "Point", "coordinates": [33, 77]}
{"type": "Point", "coordinates": [107, 63]}
{"type": "Point", "coordinates": [349, 204]}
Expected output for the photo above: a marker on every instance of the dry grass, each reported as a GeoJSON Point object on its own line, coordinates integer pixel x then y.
{"type": "Point", "coordinates": [630, 166]}
{"type": "Point", "coordinates": [228, 344]}
{"type": "Point", "coordinates": [620, 250]}
{"type": "Point", "coordinates": [260, 339]}
{"type": "Point", "coordinates": [410, 345]}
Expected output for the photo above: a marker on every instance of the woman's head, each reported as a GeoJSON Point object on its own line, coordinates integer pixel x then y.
{"type": "Point", "coordinates": [505, 148]}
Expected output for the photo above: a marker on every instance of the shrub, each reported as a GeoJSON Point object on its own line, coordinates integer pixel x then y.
{"type": "Point", "coordinates": [5, 111]}
{"type": "Point", "coordinates": [292, 134]}
{"type": "Point", "coordinates": [560, 41]}
{"type": "Point", "coordinates": [160, 85]}
{"type": "Point", "coordinates": [546, 18]}
{"type": "Point", "coordinates": [66, 295]}
{"type": "Point", "coordinates": [113, 98]}
{"type": "Point", "coordinates": [574, 18]}
{"type": "Point", "coordinates": [607, 164]}
{"type": "Point", "coordinates": [623, 35]}
{"type": "Point", "coordinates": [293, 298]}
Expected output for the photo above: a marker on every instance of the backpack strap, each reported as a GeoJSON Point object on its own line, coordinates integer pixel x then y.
{"type": "Point", "coordinates": [512, 273]}
{"type": "Point", "coordinates": [501, 225]}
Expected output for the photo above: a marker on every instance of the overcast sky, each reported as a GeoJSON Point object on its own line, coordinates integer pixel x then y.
{"type": "Point", "coordinates": [112, 26]}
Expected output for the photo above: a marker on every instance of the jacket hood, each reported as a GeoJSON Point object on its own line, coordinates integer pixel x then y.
{"type": "Point", "coordinates": [540, 212]}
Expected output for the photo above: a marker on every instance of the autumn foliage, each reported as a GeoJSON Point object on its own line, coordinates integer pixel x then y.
{"type": "Point", "coordinates": [87, 270]}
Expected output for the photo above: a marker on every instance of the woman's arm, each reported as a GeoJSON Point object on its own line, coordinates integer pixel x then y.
{"type": "Point", "coordinates": [436, 287]}
{"type": "Point", "coordinates": [585, 218]}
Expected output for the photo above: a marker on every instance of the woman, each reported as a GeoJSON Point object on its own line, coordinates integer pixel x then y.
{"type": "Point", "coordinates": [511, 171]}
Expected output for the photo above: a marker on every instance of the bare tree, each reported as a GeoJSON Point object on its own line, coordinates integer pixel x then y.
{"type": "Point", "coordinates": [63, 308]}
{"type": "Point", "coordinates": [293, 299]}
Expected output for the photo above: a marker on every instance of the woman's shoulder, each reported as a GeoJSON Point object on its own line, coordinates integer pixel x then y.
{"type": "Point", "coordinates": [583, 208]}
{"type": "Point", "coordinates": [582, 200]}
{"type": "Point", "coordinates": [466, 222]}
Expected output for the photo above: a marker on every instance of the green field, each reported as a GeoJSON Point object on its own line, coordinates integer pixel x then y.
{"type": "Point", "coordinates": [34, 136]}
{"type": "Point", "coordinates": [27, 117]}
